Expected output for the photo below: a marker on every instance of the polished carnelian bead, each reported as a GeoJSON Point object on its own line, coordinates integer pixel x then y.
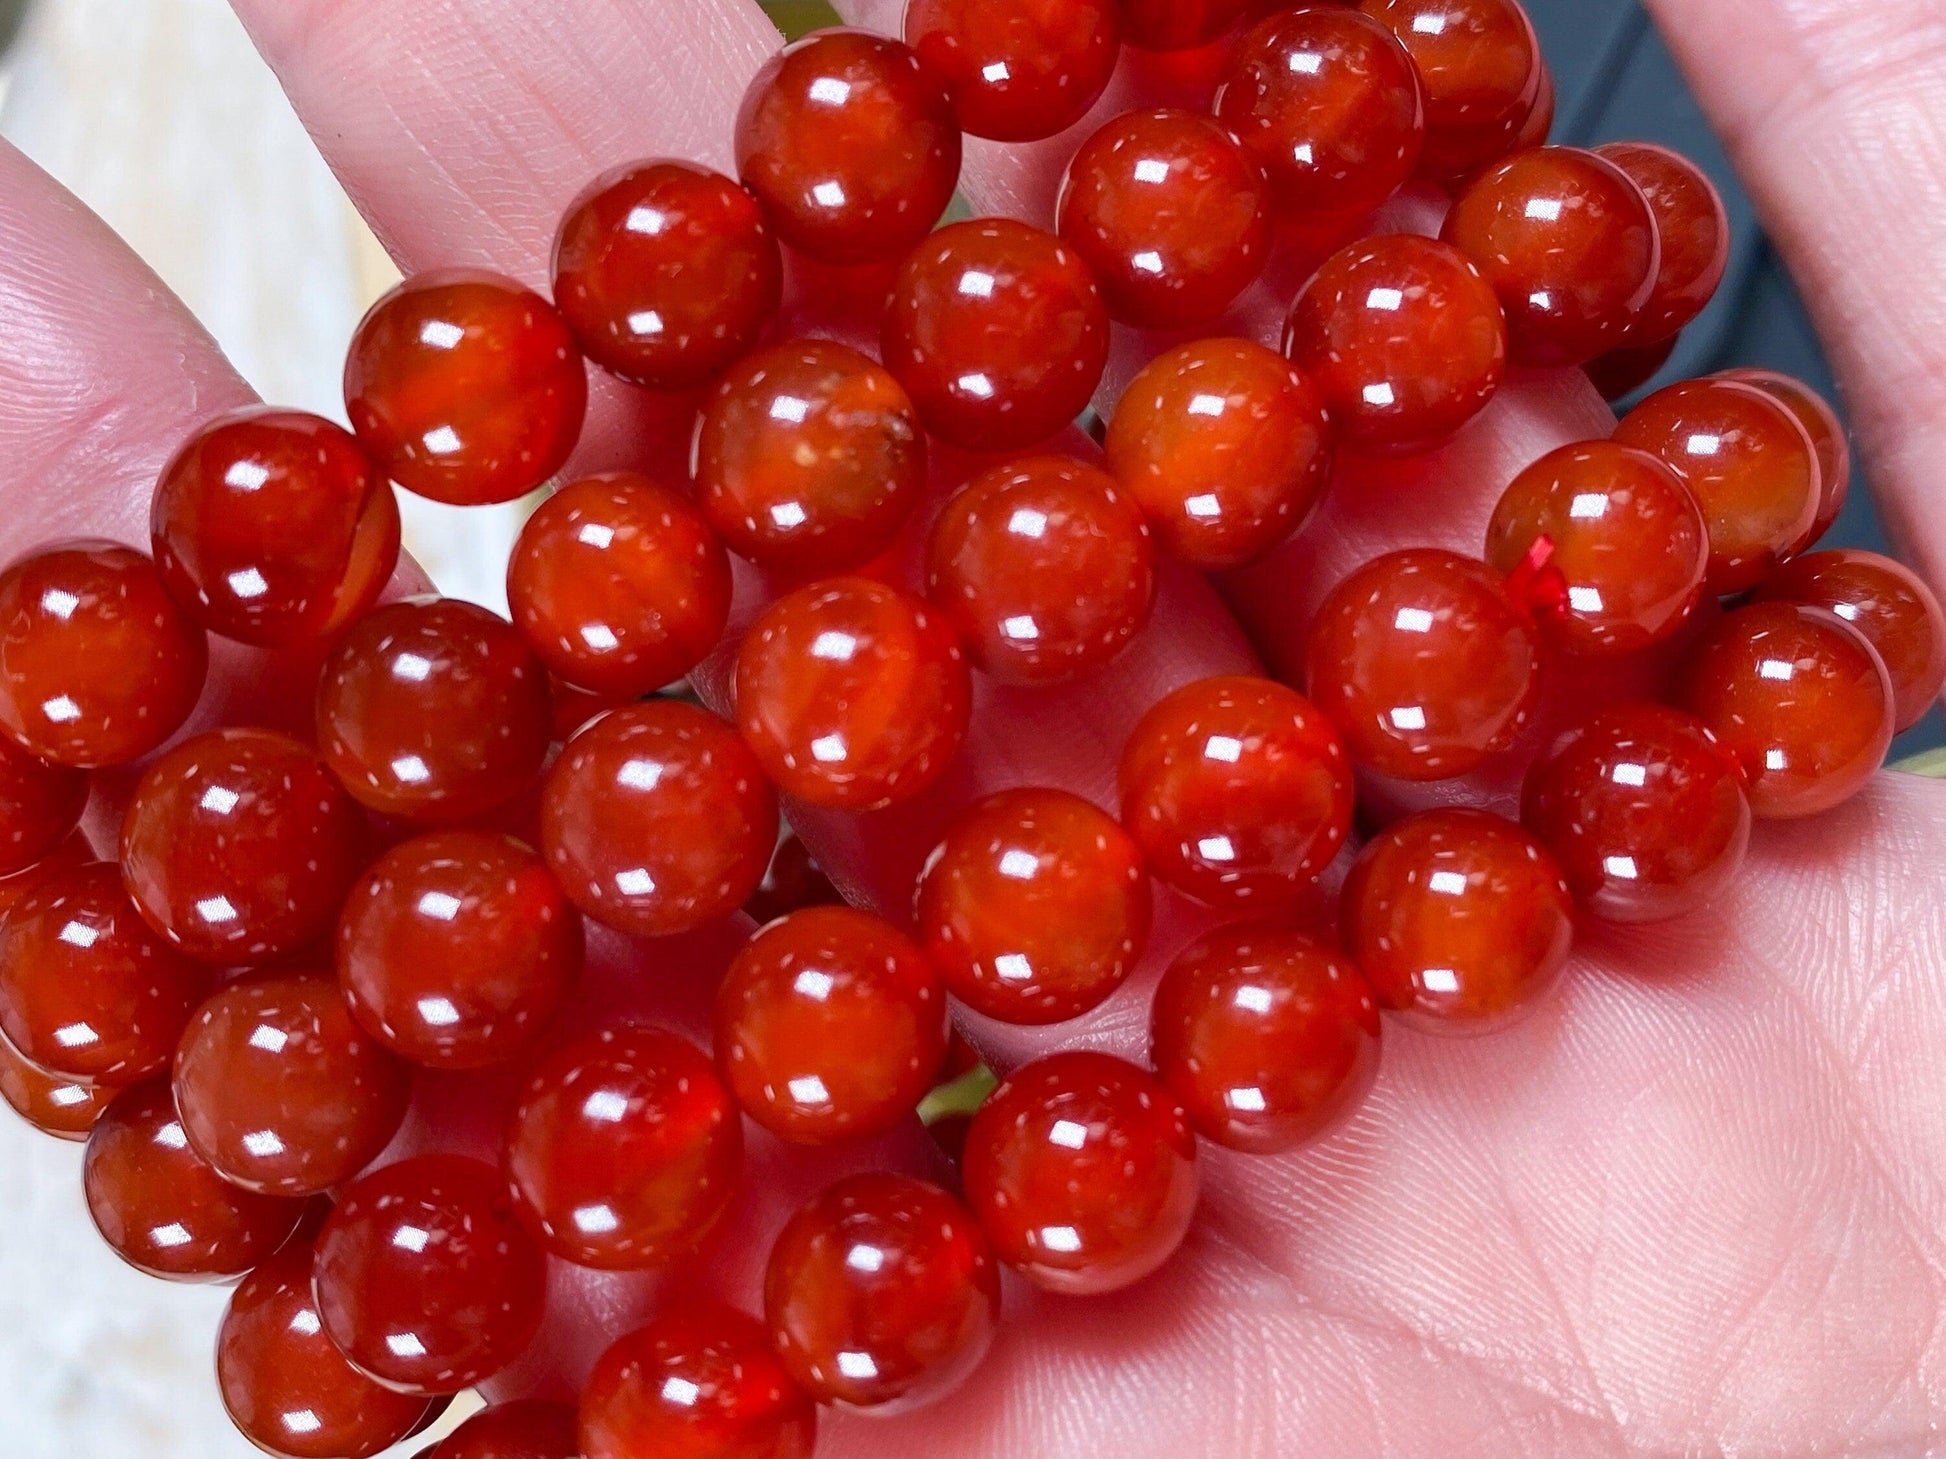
{"type": "Point", "coordinates": [271, 527]}
{"type": "Point", "coordinates": [1082, 1170]}
{"type": "Point", "coordinates": [699, 1382]}
{"type": "Point", "coordinates": [882, 1294]}
{"type": "Point", "coordinates": [1610, 542]}
{"type": "Point", "coordinates": [433, 711]}
{"type": "Point", "coordinates": [852, 694]}
{"type": "Point", "coordinates": [1404, 338]}
{"type": "Point", "coordinates": [1889, 604]}
{"type": "Point", "coordinates": [1178, 25]}
{"type": "Point", "coordinates": [850, 144]}
{"type": "Point", "coordinates": [1750, 464]}
{"type": "Point", "coordinates": [528, 1428]}
{"type": "Point", "coordinates": [657, 819]}
{"type": "Point", "coordinates": [1827, 435]}
{"type": "Point", "coordinates": [40, 805]}
{"type": "Point", "coordinates": [665, 272]}
{"type": "Point", "coordinates": [1460, 920]}
{"type": "Point", "coordinates": [809, 458]}
{"type": "Point", "coordinates": [1170, 216]}
{"type": "Point", "coordinates": [1267, 1036]}
{"type": "Point", "coordinates": [54, 1104]}
{"type": "Point", "coordinates": [1569, 244]}
{"type": "Point", "coordinates": [239, 847]}
{"type": "Point", "coordinates": [1424, 664]}
{"type": "Point", "coordinates": [1644, 811]}
{"type": "Point", "coordinates": [792, 882]}
{"type": "Point", "coordinates": [165, 1212]}
{"type": "Point", "coordinates": [1693, 229]}
{"type": "Point", "coordinates": [1800, 698]}
{"type": "Point", "coordinates": [281, 1091]}
{"type": "Point", "coordinates": [1480, 64]}
{"type": "Point", "coordinates": [1021, 71]}
{"type": "Point", "coordinates": [618, 585]}
{"type": "Point", "coordinates": [98, 666]}
{"type": "Point", "coordinates": [88, 992]}
{"type": "Point", "coordinates": [998, 333]}
{"type": "Point", "coordinates": [624, 1149]}
{"type": "Point", "coordinates": [830, 1025]}
{"type": "Point", "coordinates": [424, 1279]}
{"type": "Point", "coordinates": [457, 949]}
{"type": "Point", "coordinates": [73, 849]}
{"type": "Point", "coordinates": [1327, 103]}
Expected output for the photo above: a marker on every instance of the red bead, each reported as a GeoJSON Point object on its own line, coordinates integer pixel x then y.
{"type": "Point", "coordinates": [1625, 370]}
{"type": "Point", "coordinates": [794, 881]}
{"type": "Point", "coordinates": [98, 666]}
{"type": "Point", "coordinates": [1801, 699]}
{"type": "Point", "coordinates": [618, 585]}
{"type": "Point", "coordinates": [40, 805]}
{"type": "Point", "coordinates": [1170, 216]}
{"type": "Point", "coordinates": [998, 333]}
{"type": "Point", "coordinates": [1749, 463]}
{"type": "Point", "coordinates": [1404, 338]}
{"type": "Point", "coordinates": [1423, 664]}
{"type": "Point", "coordinates": [433, 711]}
{"type": "Point", "coordinates": [272, 528]}
{"type": "Point", "coordinates": [852, 694]}
{"type": "Point", "coordinates": [1568, 242]}
{"type": "Point", "coordinates": [1237, 790]}
{"type": "Point", "coordinates": [1889, 604]}
{"type": "Point", "coordinates": [700, 1382]}
{"type": "Point", "coordinates": [457, 949]}
{"type": "Point", "coordinates": [1327, 103]}
{"type": "Point", "coordinates": [1540, 121]}
{"type": "Point", "coordinates": [850, 144]}
{"type": "Point", "coordinates": [1020, 71]}
{"type": "Point", "coordinates": [1610, 542]}
{"type": "Point", "coordinates": [1827, 434]}
{"type": "Point", "coordinates": [1460, 920]}
{"type": "Point", "coordinates": [1480, 64]}
{"type": "Point", "coordinates": [424, 1279]}
{"type": "Point", "coordinates": [830, 1025]}
{"type": "Point", "coordinates": [809, 458]}
{"type": "Point", "coordinates": [657, 819]}
{"type": "Point", "coordinates": [54, 1104]}
{"type": "Point", "coordinates": [624, 1150]}
{"type": "Point", "coordinates": [882, 1294]}
{"type": "Point", "coordinates": [1693, 229]}
{"type": "Point", "coordinates": [1082, 1170]}
{"type": "Point", "coordinates": [1643, 809]}
{"type": "Point", "coordinates": [72, 850]}
{"type": "Point", "coordinates": [465, 387]}
{"type": "Point", "coordinates": [87, 991]}
{"type": "Point", "coordinates": [1224, 446]}
{"type": "Point", "coordinates": [238, 846]}
{"type": "Point", "coordinates": [1178, 25]}
{"type": "Point", "coordinates": [281, 1091]}
{"type": "Point", "coordinates": [665, 272]}
{"type": "Point", "coordinates": [1267, 1036]}
{"type": "Point", "coordinates": [530, 1428]}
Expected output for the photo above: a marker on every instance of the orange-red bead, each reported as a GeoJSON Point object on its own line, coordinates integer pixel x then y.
{"type": "Point", "coordinates": [1693, 229]}
{"type": "Point", "coordinates": [40, 805]}
{"type": "Point", "coordinates": [1178, 25]}
{"type": "Point", "coordinates": [1828, 440]}
{"type": "Point", "coordinates": [529, 1428]}
{"type": "Point", "coordinates": [1484, 78]}
{"type": "Point", "coordinates": [1017, 72]}
{"type": "Point", "coordinates": [1889, 604]}
{"type": "Point", "coordinates": [54, 1104]}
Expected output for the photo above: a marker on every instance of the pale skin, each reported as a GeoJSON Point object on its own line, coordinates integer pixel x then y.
{"type": "Point", "coordinates": [1694, 1206]}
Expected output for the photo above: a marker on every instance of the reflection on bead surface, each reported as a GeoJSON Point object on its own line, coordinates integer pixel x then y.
{"type": "Point", "coordinates": [1177, 25]}
{"type": "Point", "coordinates": [529, 1428]}
{"type": "Point", "coordinates": [1481, 67]}
{"type": "Point", "coordinates": [40, 804]}
{"type": "Point", "coordinates": [1017, 72]}
{"type": "Point", "coordinates": [1693, 229]}
{"type": "Point", "coordinates": [54, 1104]}
{"type": "Point", "coordinates": [1889, 604]}
{"type": "Point", "coordinates": [1827, 434]}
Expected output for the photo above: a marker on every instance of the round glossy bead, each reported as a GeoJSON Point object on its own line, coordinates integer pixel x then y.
{"type": "Point", "coordinates": [793, 882]}
{"type": "Point", "coordinates": [1889, 604]}
{"type": "Point", "coordinates": [1178, 25]}
{"type": "Point", "coordinates": [1226, 448]}
{"type": "Point", "coordinates": [1267, 1036]}
{"type": "Point", "coordinates": [1802, 701]}
{"type": "Point", "coordinates": [1693, 229]}
{"type": "Point", "coordinates": [457, 949]}
{"type": "Point", "coordinates": [1403, 337]}
{"type": "Point", "coordinates": [1609, 543]}
{"type": "Point", "coordinates": [882, 1294]}
{"type": "Point", "coordinates": [809, 458]}
{"type": "Point", "coordinates": [465, 387]}
{"type": "Point", "coordinates": [1827, 434]}
{"type": "Point", "coordinates": [1017, 72]}
{"type": "Point", "coordinates": [618, 585]}
{"type": "Point", "coordinates": [239, 847]}
{"type": "Point", "coordinates": [624, 1149]}
{"type": "Point", "coordinates": [1327, 103]}
{"type": "Point", "coordinates": [433, 711]}
{"type": "Point", "coordinates": [1480, 64]}
{"type": "Point", "coordinates": [998, 332]}
{"type": "Point", "coordinates": [657, 819]}
{"type": "Point", "coordinates": [1424, 664]}
{"type": "Point", "coordinates": [73, 849]}
{"type": "Point", "coordinates": [1170, 216]}
{"type": "Point", "coordinates": [1461, 921]}
{"type": "Point", "coordinates": [98, 666]}
{"type": "Point", "coordinates": [852, 694]}
{"type": "Point", "coordinates": [40, 805]}
{"type": "Point", "coordinates": [54, 1104]}
{"type": "Point", "coordinates": [1082, 1170]}
{"type": "Point", "coordinates": [1044, 567]}
{"type": "Point", "coordinates": [1644, 811]}
{"type": "Point", "coordinates": [1748, 461]}
{"type": "Point", "coordinates": [1569, 244]}
{"type": "Point", "coordinates": [665, 272]}
{"type": "Point", "coordinates": [851, 144]}
{"type": "Point", "coordinates": [424, 1279]}
{"type": "Point", "coordinates": [281, 1091]}
{"type": "Point", "coordinates": [530, 1428]}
